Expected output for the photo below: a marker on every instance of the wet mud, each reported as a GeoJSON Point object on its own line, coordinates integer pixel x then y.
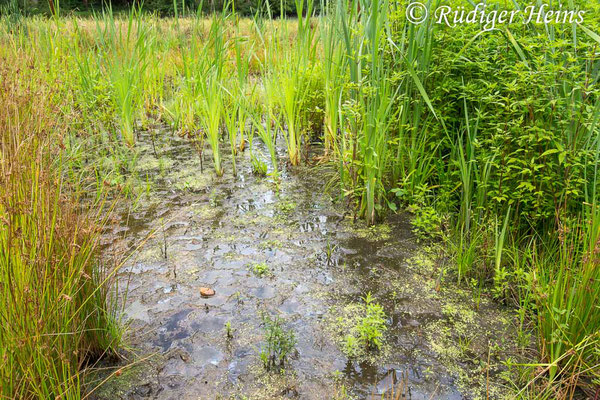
{"type": "Point", "coordinates": [191, 229]}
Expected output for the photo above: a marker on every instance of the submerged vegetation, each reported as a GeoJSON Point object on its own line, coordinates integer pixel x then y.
{"type": "Point", "coordinates": [490, 138]}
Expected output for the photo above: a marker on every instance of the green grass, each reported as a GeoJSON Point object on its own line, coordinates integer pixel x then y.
{"type": "Point", "coordinates": [57, 310]}
{"type": "Point", "coordinates": [125, 63]}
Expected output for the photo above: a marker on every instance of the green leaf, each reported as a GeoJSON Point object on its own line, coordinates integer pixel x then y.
{"type": "Point", "coordinates": [420, 87]}
{"type": "Point", "coordinates": [517, 48]}
{"type": "Point", "coordinates": [527, 186]}
{"type": "Point", "coordinates": [590, 33]}
{"type": "Point", "coordinates": [548, 152]}
{"type": "Point", "coordinates": [561, 157]}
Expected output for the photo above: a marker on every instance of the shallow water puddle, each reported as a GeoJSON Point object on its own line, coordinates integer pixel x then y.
{"type": "Point", "coordinates": [209, 232]}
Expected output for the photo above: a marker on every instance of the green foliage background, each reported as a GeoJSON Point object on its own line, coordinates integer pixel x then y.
{"type": "Point", "coordinates": [161, 7]}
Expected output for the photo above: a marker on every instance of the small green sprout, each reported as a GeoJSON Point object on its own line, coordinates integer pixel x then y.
{"type": "Point", "coordinates": [261, 269]}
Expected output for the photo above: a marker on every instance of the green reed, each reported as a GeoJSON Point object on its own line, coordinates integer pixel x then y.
{"type": "Point", "coordinates": [211, 111]}
{"type": "Point", "coordinates": [124, 61]}
{"type": "Point", "coordinates": [291, 63]}
{"type": "Point", "coordinates": [263, 122]}
{"type": "Point", "coordinates": [333, 77]}
{"type": "Point", "coordinates": [231, 123]}
{"type": "Point", "coordinates": [367, 117]}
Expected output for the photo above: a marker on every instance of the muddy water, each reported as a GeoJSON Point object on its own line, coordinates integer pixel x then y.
{"type": "Point", "coordinates": [192, 229]}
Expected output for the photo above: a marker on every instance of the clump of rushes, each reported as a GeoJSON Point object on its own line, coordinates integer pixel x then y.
{"type": "Point", "coordinates": [212, 112]}
{"type": "Point", "coordinates": [367, 118]}
{"type": "Point", "coordinates": [293, 62]}
{"type": "Point", "coordinates": [211, 87]}
{"type": "Point", "coordinates": [243, 59]}
{"type": "Point", "coordinates": [228, 330]}
{"type": "Point", "coordinates": [265, 130]}
{"type": "Point", "coordinates": [125, 63]}
{"type": "Point", "coordinates": [567, 299]}
{"type": "Point", "coordinates": [54, 298]}
{"type": "Point", "coordinates": [333, 79]}
{"type": "Point", "coordinates": [288, 99]}
{"type": "Point", "coordinates": [231, 122]}
{"type": "Point", "coordinates": [259, 167]}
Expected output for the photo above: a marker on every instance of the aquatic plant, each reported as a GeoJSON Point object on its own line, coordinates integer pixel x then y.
{"type": "Point", "coordinates": [244, 54]}
{"type": "Point", "coordinates": [367, 333]}
{"type": "Point", "coordinates": [373, 325]}
{"type": "Point", "coordinates": [228, 330]}
{"type": "Point", "coordinates": [280, 344]}
{"type": "Point", "coordinates": [211, 113]}
{"type": "Point", "coordinates": [567, 295]}
{"type": "Point", "coordinates": [366, 115]}
{"type": "Point", "coordinates": [211, 87]}
{"type": "Point", "coordinates": [330, 250]}
{"type": "Point", "coordinates": [231, 123]}
{"type": "Point", "coordinates": [290, 65]}
{"type": "Point", "coordinates": [333, 77]}
{"type": "Point", "coordinates": [259, 167]}
{"type": "Point", "coordinates": [265, 130]}
{"type": "Point", "coordinates": [125, 63]}
{"type": "Point", "coordinates": [261, 269]}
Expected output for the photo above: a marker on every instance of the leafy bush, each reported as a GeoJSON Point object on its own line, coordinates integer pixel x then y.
{"type": "Point", "coordinates": [426, 222]}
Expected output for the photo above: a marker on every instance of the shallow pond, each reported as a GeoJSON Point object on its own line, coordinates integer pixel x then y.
{"type": "Point", "coordinates": [192, 230]}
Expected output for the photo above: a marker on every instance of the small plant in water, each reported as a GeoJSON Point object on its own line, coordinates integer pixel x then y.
{"type": "Point", "coordinates": [351, 347]}
{"type": "Point", "coordinates": [259, 167]}
{"type": "Point", "coordinates": [329, 251]}
{"type": "Point", "coordinates": [373, 324]}
{"type": "Point", "coordinates": [280, 344]}
{"type": "Point", "coordinates": [368, 332]}
{"type": "Point", "coordinates": [464, 343]}
{"type": "Point", "coordinates": [286, 206]}
{"type": "Point", "coordinates": [228, 330]}
{"type": "Point", "coordinates": [261, 269]}
{"type": "Point", "coordinates": [477, 288]}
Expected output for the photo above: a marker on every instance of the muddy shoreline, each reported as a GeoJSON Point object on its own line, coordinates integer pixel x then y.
{"type": "Point", "coordinates": [196, 230]}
